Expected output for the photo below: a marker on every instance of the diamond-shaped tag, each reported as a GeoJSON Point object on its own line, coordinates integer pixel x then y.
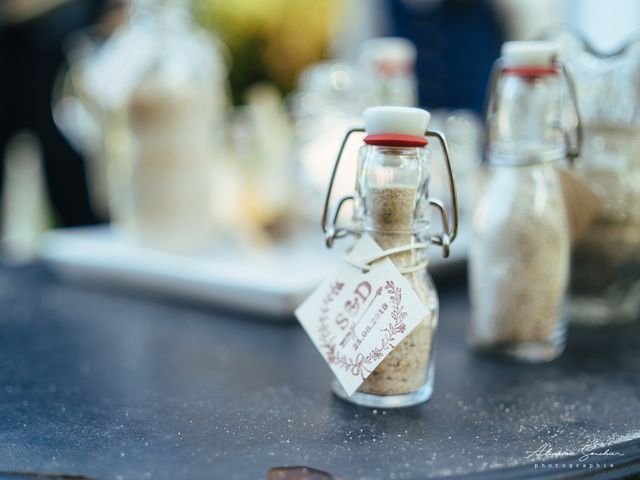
{"type": "Point", "coordinates": [357, 318]}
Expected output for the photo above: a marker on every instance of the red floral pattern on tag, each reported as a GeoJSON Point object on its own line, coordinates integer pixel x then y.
{"type": "Point", "coordinates": [359, 365]}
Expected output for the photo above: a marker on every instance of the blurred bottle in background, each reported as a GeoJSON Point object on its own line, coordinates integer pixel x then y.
{"type": "Point", "coordinates": [270, 43]}
{"type": "Point", "coordinates": [386, 69]}
{"type": "Point", "coordinates": [331, 97]}
{"type": "Point", "coordinates": [257, 195]}
{"type": "Point", "coordinates": [519, 253]}
{"type": "Point", "coordinates": [324, 106]}
{"type": "Point", "coordinates": [605, 281]}
{"type": "Point", "coordinates": [176, 114]}
{"type": "Point", "coordinates": [463, 128]}
{"type": "Point", "coordinates": [158, 85]}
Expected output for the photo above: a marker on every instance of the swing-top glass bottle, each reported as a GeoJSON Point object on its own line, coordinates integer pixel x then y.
{"type": "Point", "coordinates": [391, 203]}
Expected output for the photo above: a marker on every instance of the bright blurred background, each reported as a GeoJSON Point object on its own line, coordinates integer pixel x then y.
{"type": "Point", "coordinates": [192, 126]}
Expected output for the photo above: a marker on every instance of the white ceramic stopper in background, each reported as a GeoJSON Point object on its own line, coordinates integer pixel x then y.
{"type": "Point", "coordinates": [529, 54]}
{"type": "Point", "coordinates": [389, 50]}
{"type": "Point", "coordinates": [398, 120]}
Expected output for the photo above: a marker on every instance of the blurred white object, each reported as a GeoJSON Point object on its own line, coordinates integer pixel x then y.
{"type": "Point", "coordinates": [260, 152]}
{"type": "Point", "coordinates": [270, 281]}
{"type": "Point", "coordinates": [524, 19]}
{"type": "Point", "coordinates": [24, 215]}
{"type": "Point", "coordinates": [324, 106]}
{"type": "Point", "coordinates": [463, 130]}
{"type": "Point", "coordinates": [387, 72]}
{"type": "Point", "coordinates": [528, 54]}
{"type": "Point", "coordinates": [157, 90]}
{"type": "Point", "coordinates": [397, 120]}
{"type": "Point", "coordinates": [607, 26]}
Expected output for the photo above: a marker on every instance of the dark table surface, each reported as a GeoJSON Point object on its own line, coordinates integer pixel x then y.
{"type": "Point", "coordinates": [113, 387]}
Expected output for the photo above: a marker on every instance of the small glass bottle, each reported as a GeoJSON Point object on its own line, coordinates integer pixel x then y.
{"type": "Point", "coordinates": [386, 69]}
{"type": "Point", "coordinates": [173, 113]}
{"type": "Point", "coordinates": [157, 90]}
{"type": "Point", "coordinates": [519, 251]}
{"type": "Point", "coordinates": [392, 205]}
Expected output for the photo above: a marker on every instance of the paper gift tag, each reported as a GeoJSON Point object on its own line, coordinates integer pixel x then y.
{"type": "Point", "coordinates": [357, 318]}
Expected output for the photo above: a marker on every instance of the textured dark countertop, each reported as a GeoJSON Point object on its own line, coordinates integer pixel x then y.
{"type": "Point", "coordinates": [113, 387]}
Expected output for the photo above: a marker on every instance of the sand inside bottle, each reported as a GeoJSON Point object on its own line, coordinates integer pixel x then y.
{"type": "Point", "coordinates": [391, 212]}
{"type": "Point", "coordinates": [519, 265]}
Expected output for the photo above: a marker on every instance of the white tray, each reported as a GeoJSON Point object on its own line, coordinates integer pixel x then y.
{"type": "Point", "coordinates": [271, 281]}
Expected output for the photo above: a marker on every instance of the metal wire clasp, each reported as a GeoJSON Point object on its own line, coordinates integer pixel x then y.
{"type": "Point", "coordinates": [573, 150]}
{"type": "Point", "coordinates": [330, 229]}
{"type": "Point", "coordinates": [450, 229]}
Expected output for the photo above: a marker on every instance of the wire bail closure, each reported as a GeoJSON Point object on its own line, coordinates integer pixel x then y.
{"type": "Point", "coordinates": [444, 239]}
{"type": "Point", "coordinates": [573, 151]}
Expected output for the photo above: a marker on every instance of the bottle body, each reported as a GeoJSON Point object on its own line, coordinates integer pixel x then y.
{"type": "Point", "coordinates": [519, 264]}
{"type": "Point", "coordinates": [157, 90]}
{"type": "Point", "coordinates": [408, 370]}
{"type": "Point", "coordinates": [605, 277]}
{"type": "Point", "coordinates": [391, 206]}
{"type": "Point", "coordinates": [174, 111]}
{"type": "Point", "coordinates": [172, 169]}
{"type": "Point", "coordinates": [605, 272]}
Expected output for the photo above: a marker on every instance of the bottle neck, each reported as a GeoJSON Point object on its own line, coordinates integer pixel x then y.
{"type": "Point", "coordinates": [525, 116]}
{"type": "Point", "coordinates": [392, 191]}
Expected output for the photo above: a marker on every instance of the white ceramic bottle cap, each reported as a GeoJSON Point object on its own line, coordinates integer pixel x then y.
{"type": "Point", "coordinates": [398, 120]}
{"type": "Point", "coordinates": [529, 54]}
{"type": "Point", "coordinates": [396, 50]}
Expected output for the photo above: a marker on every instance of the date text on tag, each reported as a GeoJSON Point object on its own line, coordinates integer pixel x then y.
{"type": "Point", "coordinates": [356, 319]}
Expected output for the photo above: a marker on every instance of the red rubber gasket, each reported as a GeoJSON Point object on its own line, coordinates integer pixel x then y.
{"type": "Point", "coordinates": [395, 140]}
{"type": "Point", "coordinates": [530, 71]}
